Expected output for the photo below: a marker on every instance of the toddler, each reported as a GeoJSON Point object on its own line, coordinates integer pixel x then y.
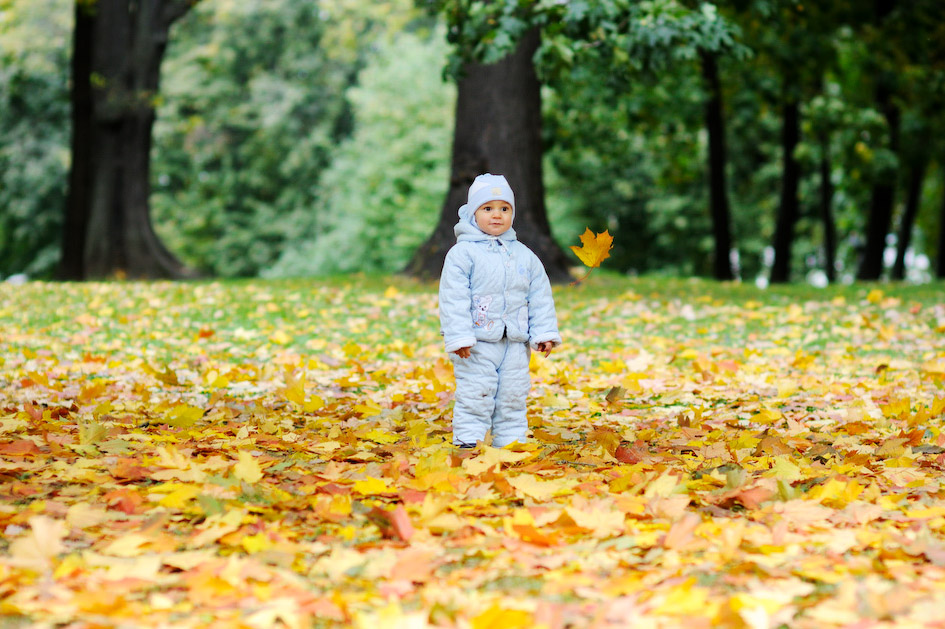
{"type": "Point", "coordinates": [495, 302]}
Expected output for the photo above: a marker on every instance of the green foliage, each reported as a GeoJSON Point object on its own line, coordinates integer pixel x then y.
{"type": "Point", "coordinates": [252, 104]}
{"type": "Point", "coordinates": [379, 198]}
{"type": "Point", "coordinates": [650, 35]}
{"type": "Point", "coordinates": [631, 170]}
{"type": "Point", "coordinates": [312, 137]}
{"type": "Point", "coordinates": [34, 115]}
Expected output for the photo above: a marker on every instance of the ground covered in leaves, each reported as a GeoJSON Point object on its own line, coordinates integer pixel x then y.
{"type": "Point", "coordinates": [250, 454]}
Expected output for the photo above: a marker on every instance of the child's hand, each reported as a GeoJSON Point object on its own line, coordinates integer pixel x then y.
{"type": "Point", "coordinates": [546, 347]}
{"type": "Point", "coordinates": [463, 352]}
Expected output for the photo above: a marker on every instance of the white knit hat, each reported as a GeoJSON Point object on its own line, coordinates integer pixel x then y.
{"type": "Point", "coordinates": [489, 187]}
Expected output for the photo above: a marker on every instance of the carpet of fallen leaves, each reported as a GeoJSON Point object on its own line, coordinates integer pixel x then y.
{"type": "Point", "coordinates": [264, 453]}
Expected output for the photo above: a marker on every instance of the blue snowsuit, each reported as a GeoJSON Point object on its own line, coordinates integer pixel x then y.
{"type": "Point", "coordinates": [495, 298]}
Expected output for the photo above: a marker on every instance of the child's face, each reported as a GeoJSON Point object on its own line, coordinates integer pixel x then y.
{"type": "Point", "coordinates": [494, 217]}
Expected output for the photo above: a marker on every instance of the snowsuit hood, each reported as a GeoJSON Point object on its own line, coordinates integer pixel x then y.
{"type": "Point", "coordinates": [485, 188]}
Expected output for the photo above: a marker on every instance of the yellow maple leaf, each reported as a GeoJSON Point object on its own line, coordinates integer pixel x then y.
{"type": "Point", "coordinates": [491, 457]}
{"type": "Point", "coordinates": [216, 526]}
{"type": "Point", "coordinates": [496, 617]}
{"type": "Point", "coordinates": [370, 486]}
{"type": "Point", "coordinates": [595, 248]}
{"type": "Point", "coordinates": [541, 490]}
{"type": "Point", "coordinates": [280, 338]}
{"type": "Point", "coordinates": [370, 408]}
{"type": "Point", "coordinates": [130, 545]}
{"type": "Point", "coordinates": [784, 469]}
{"type": "Point", "coordinates": [313, 404]}
{"type": "Point", "coordinates": [183, 416]}
{"type": "Point", "coordinates": [91, 432]}
{"type": "Point", "coordinates": [256, 543]}
{"type": "Point", "coordinates": [42, 543]}
{"type": "Point", "coordinates": [247, 469]}
{"type": "Point", "coordinates": [177, 496]}
{"type": "Point", "coordinates": [686, 599]}
{"type": "Point", "coordinates": [380, 436]}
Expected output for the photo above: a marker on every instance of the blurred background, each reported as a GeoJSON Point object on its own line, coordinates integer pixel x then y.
{"type": "Point", "coordinates": [759, 140]}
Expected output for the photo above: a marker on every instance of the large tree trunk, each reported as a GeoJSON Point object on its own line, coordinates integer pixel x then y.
{"type": "Point", "coordinates": [71, 261]}
{"type": "Point", "coordinates": [883, 195]}
{"type": "Point", "coordinates": [498, 130]}
{"type": "Point", "coordinates": [884, 187]}
{"type": "Point", "coordinates": [913, 200]}
{"type": "Point", "coordinates": [718, 195]}
{"type": "Point", "coordinates": [788, 209]}
{"type": "Point", "coordinates": [940, 257]}
{"type": "Point", "coordinates": [110, 182]}
{"type": "Point", "coordinates": [826, 211]}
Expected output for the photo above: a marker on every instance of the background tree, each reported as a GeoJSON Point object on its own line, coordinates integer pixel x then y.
{"type": "Point", "coordinates": [823, 116]}
{"type": "Point", "coordinates": [885, 85]}
{"type": "Point", "coordinates": [719, 207]}
{"type": "Point", "coordinates": [498, 127]}
{"type": "Point", "coordinates": [923, 120]}
{"type": "Point", "coordinates": [648, 37]}
{"type": "Point", "coordinates": [792, 42]}
{"type": "Point", "coordinates": [118, 48]}
{"type": "Point", "coordinates": [498, 130]}
{"type": "Point", "coordinates": [256, 166]}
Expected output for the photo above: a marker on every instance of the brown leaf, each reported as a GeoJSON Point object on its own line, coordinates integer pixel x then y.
{"type": "Point", "coordinates": [628, 454]}
{"type": "Point", "coordinates": [773, 446]}
{"type": "Point", "coordinates": [615, 395]}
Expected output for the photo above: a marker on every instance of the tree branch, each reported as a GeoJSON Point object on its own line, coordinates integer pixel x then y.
{"type": "Point", "coordinates": [173, 10]}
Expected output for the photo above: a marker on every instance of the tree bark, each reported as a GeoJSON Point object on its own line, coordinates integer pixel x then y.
{"type": "Point", "coordinates": [940, 261]}
{"type": "Point", "coordinates": [111, 157]}
{"type": "Point", "coordinates": [718, 194]}
{"type": "Point", "coordinates": [884, 187]}
{"type": "Point", "coordinates": [498, 130]}
{"type": "Point", "coordinates": [788, 209]}
{"type": "Point", "coordinates": [71, 260]}
{"type": "Point", "coordinates": [913, 200]}
{"type": "Point", "coordinates": [826, 211]}
{"type": "Point", "coordinates": [883, 195]}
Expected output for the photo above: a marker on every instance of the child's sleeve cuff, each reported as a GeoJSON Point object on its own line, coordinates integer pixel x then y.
{"type": "Point", "coordinates": [544, 338]}
{"type": "Point", "coordinates": [452, 346]}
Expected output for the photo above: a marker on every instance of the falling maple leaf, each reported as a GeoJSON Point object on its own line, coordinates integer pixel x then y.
{"type": "Point", "coordinates": [594, 249]}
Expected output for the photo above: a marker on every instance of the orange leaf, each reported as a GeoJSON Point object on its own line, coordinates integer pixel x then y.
{"type": "Point", "coordinates": [129, 470]}
{"type": "Point", "coordinates": [680, 534]}
{"type": "Point", "coordinates": [20, 447]}
{"type": "Point", "coordinates": [594, 249]}
{"type": "Point", "coordinates": [533, 535]}
{"type": "Point", "coordinates": [394, 523]}
{"type": "Point", "coordinates": [628, 454]}
{"type": "Point", "coordinates": [750, 498]}
{"type": "Point", "coordinates": [414, 565]}
{"type": "Point", "coordinates": [124, 500]}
